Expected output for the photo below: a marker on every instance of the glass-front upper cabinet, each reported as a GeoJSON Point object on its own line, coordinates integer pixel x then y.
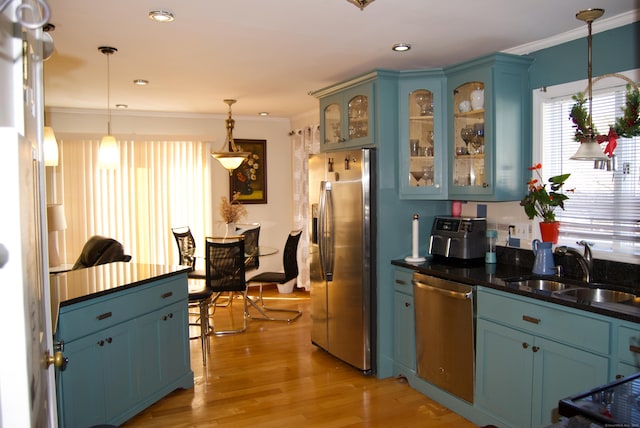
{"type": "Point", "coordinates": [346, 118]}
{"type": "Point", "coordinates": [468, 135]}
{"type": "Point", "coordinates": [422, 141]}
{"type": "Point", "coordinates": [489, 120]}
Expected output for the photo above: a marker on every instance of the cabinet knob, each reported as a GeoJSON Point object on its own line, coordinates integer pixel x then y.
{"type": "Point", "coordinates": [525, 345]}
{"type": "Point", "coordinates": [407, 304]}
{"type": "Point", "coordinates": [109, 340]}
{"type": "Point", "coordinates": [535, 349]}
{"type": "Point", "coordinates": [100, 342]}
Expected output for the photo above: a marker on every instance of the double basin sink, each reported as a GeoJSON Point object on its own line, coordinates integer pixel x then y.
{"type": "Point", "coordinates": [585, 294]}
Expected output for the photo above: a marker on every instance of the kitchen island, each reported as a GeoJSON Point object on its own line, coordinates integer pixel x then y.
{"type": "Point", "coordinates": [123, 330]}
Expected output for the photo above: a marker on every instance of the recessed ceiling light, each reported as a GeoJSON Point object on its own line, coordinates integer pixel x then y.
{"type": "Point", "coordinates": [123, 106]}
{"type": "Point", "coordinates": [161, 16]}
{"type": "Point", "coordinates": [264, 113]}
{"type": "Point", "coordinates": [141, 82]}
{"type": "Point", "coordinates": [401, 47]}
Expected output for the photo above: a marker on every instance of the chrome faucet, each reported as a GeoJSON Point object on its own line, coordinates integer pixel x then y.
{"type": "Point", "coordinates": [584, 260]}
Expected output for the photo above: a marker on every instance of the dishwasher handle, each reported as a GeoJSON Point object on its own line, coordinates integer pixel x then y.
{"type": "Point", "coordinates": [447, 291]}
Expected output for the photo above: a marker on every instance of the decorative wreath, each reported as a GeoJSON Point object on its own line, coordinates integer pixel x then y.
{"type": "Point", "coordinates": [626, 126]}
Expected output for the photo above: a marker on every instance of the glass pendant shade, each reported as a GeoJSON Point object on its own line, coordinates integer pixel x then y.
{"type": "Point", "coordinates": [50, 147]}
{"type": "Point", "coordinates": [589, 150]}
{"type": "Point", "coordinates": [229, 160]}
{"type": "Point", "coordinates": [108, 153]}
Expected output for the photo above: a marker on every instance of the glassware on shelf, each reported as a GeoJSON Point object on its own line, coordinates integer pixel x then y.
{"type": "Point", "coordinates": [423, 99]}
{"type": "Point", "coordinates": [467, 133]}
{"type": "Point", "coordinates": [417, 175]}
{"type": "Point", "coordinates": [477, 139]}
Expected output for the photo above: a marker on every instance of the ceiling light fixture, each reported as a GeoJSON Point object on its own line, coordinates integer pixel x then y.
{"type": "Point", "coordinates": [401, 47]}
{"type": "Point", "coordinates": [361, 3]}
{"type": "Point", "coordinates": [161, 16]}
{"type": "Point", "coordinates": [263, 113]}
{"type": "Point", "coordinates": [589, 149]}
{"type": "Point", "coordinates": [141, 82]}
{"type": "Point", "coordinates": [230, 159]}
{"type": "Point", "coordinates": [109, 152]}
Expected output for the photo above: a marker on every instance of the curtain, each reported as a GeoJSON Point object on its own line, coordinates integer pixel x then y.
{"type": "Point", "coordinates": [159, 185]}
{"type": "Point", "coordinates": [304, 142]}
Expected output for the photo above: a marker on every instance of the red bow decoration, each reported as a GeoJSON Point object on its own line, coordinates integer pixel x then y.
{"type": "Point", "coordinates": [611, 139]}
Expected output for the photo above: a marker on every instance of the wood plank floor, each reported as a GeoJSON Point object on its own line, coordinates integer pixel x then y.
{"type": "Point", "coordinates": [272, 376]}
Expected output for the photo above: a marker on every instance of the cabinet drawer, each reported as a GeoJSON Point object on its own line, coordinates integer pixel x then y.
{"type": "Point", "coordinates": [402, 281]}
{"type": "Point", "coordinates": [554, 323]}
{"type": "Point", "coordinates": [84, 318]}
{"type": "Point", "coordinates": [629, 345]}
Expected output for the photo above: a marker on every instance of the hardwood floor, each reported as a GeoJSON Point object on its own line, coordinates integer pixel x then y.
{"type": "Point", "coordinates": [272, 376]}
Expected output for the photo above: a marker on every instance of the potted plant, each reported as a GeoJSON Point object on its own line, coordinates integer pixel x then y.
{"type": "Point", "coordinates": [231, 212]}
{"type": "Point", "coordinates": [542, 203]}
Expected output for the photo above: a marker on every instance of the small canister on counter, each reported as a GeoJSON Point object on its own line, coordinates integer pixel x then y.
{"type": "Point", "coordinates": [490, 255]}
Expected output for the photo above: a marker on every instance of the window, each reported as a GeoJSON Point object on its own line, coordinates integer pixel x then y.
{"type": "Point", "coordinates": [604, 209]}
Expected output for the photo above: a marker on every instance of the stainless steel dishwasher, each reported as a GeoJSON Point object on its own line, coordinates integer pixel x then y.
{"type": "Point", "coordinates": [444, 314]}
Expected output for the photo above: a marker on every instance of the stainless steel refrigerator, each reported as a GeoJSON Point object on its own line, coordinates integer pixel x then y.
{"type": "Point", "coordinates": [342, 247]}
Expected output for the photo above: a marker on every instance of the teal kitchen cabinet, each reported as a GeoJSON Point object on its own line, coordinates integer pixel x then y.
{"type": "Point", "coordinates": [404, 343]}
{"type": "Point", "coordinates": [530, 355]}
{"type": "Point", "coordinates": [353, 112]}
{"type": "Point", "coordinates": [489, 128]}
{"type": "Point", "coordinates": [422, 135]}
{"type": "Point", "coordinates": [628, 350]}
{"type": "Point", "coordinates": [127, 345]}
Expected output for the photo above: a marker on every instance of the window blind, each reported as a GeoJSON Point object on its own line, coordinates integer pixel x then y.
{"type": "Point", "coordinates": [604, 207]}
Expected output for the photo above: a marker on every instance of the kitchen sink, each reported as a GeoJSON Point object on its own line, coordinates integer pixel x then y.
{"type": "Point", "coordinates": [538, 284]}
{"type": "Point", "coordinates": [601, 295]}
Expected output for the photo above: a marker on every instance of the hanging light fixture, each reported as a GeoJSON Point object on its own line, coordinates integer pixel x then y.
{"type": "Point", "coordinates": [109, 152]}
{"type": "Point", "coordinates": [234, 158]}
{"type": "Point", "coordinates": [361, 3]}
{"type": "Point", "coordinates": [50, 147]}
{"type": "Point", "coordinates": [589, 149]}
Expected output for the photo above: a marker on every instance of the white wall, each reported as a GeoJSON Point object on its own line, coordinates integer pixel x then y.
{"type": "Point", "coordinates": [275, 216]}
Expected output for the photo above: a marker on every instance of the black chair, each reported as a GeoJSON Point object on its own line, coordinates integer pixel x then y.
{"type": "Point", "coordinates": [225, 273]}
{"type": "Point", "coordinates": [251, 233]}
{"type": "Point", "coordinates": [99, 250]}
{"type": "Point", "coordinates": [290, 264]}
{"type": "Point", "coordinates": [187, 251]}
{"type": "Point", "coordinates": [200, 297]}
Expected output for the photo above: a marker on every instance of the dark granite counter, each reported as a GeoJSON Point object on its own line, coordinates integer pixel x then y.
{"type": "Point", "coordinates": [518, 265]}
{"type": "Point", "coordinates": [85, 284]}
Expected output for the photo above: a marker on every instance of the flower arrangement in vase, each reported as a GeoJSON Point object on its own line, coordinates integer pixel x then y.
{"type": "Point", "coordinates": [232, 211]}
{"type": "Point", "coordinates": [542, 203]}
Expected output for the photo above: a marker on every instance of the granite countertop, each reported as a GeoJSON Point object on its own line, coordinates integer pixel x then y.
{"type": "Point", "coordinates": [494, 275]}
{"type": "Point", "coordinates": [85, 284]}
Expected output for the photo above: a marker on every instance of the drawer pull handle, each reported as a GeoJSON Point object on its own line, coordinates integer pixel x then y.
{"type": "Point", "coordinates": [532, 320]}
{"type": "Point", "coordinates": [401, 282]}
{"type": "Point", "coordinates": [167, 294]}
{"type": "Point", "coordinates": [104, 316]}
{"type": "Point", "coordinates": [634, 348]}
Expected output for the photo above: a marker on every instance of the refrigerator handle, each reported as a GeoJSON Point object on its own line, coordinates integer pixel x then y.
{"type": "Point", "coordinates": [325, 231]}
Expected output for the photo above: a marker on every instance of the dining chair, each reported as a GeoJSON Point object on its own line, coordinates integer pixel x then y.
{"type": "Point", "coordinates": [200, 296]}
{"type": "Point", "coordinates": [99, 250]}
{"type": "Point", "coordinates": [187, 251]}
{"type": "Point", "coordinates": [225, 273]}
{"type": "Point", "coordinates": [290, 266]}
{"type": "Point", "coordinates": [251, 233]}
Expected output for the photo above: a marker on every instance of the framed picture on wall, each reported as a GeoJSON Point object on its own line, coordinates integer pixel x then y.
{"type": "Point", "coordinates": [250, 178]}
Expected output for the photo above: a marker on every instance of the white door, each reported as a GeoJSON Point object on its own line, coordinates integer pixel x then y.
{"type": "Point", "coordinates": [27, 397]}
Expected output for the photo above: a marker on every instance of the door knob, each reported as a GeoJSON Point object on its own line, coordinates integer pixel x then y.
{"type": "Point", "coordinates": [57, 359]}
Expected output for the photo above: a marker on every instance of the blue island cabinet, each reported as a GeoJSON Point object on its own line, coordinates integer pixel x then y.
{"type": "Point", "coordinates": [126, 349]}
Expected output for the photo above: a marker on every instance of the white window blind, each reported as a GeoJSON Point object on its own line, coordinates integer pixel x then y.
{"type": "Point", "coordinates": [604, 209]}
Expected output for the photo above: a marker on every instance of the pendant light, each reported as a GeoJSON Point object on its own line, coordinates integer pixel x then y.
{"type": "Point", "coordinates": [589, 149]}
{"type": "Point", "coordinates": [361, 3]}
{"type": "Point", "coordinates": [109, 152]}
{"type": "Point", "coordinates": [234, 158]}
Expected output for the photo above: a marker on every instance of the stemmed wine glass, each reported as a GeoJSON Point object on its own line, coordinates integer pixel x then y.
{"type": "Point", "coordinates": [423, 100]}
{"type": "Point", "coordinates": [418, 176]}
{"type": "Point", "coordinates": [477, 139]}
{"type": "Point", "coordinates": [467, 134]}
